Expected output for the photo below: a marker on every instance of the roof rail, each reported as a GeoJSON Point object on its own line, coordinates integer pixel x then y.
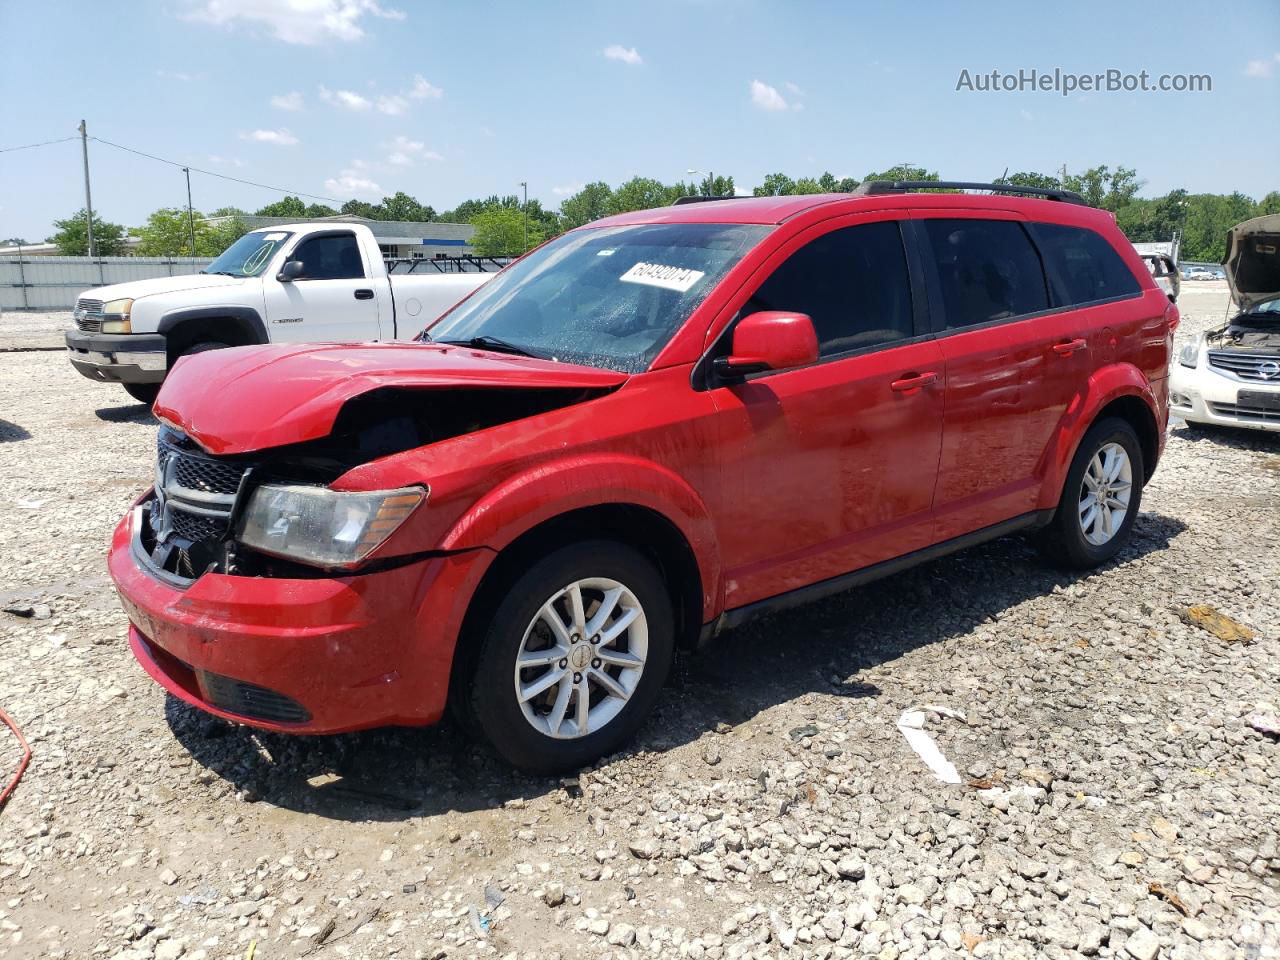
{"type": "Point", "coordinates": [872, 187]}
{"type": "Point", "coordinates": [681, 201]}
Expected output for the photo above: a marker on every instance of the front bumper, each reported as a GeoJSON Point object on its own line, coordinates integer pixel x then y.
{"type": "Point", "coordinates": [323, 655]}
{"type": "Point", "coordinates": [118, 357]}
{"type": "Point", "coordinates": [1203, 396]}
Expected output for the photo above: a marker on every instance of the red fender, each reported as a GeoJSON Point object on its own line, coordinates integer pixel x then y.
{"type": "Point", "coordinates": [1105, 385]}
{"type": "Point", "coordinates": [555, 488]}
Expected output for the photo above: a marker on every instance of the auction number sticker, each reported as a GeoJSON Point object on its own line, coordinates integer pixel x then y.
{"type": "Point", "coordinates": [679, 279]}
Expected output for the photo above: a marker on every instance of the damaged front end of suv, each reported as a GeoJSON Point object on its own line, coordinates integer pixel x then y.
{"type": "Point", "coordinates": [1230, 375]}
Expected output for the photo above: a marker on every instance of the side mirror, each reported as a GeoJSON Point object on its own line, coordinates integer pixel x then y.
{"type": "Point", "coordinates": [769, 340]}
{"type": "Point", "coordinates": [291, 271]}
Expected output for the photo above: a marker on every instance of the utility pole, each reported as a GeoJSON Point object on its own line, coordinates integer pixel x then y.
{"type": "Point", "coordinates": [525, 184]}
{"type": "Point", "coordinates": [191, 223]}
{"type": "Point", "coordinates": [88, 200]}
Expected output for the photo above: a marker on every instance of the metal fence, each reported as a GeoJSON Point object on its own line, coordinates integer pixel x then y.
{"type": "Point", "coordinates": [53, 283]}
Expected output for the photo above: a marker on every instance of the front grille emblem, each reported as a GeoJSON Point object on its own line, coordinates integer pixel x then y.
{"type": "Point", "coordinates": [1269, 370]}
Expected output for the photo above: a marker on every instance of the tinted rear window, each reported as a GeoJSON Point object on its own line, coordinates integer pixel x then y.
{"type": "Point", "coordinates": [1083, 267]}
{"type": "Point", "coordinates": [988, 270]}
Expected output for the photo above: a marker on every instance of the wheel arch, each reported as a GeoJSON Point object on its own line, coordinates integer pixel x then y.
{"type": "Point", "coordinates": [234, 325]}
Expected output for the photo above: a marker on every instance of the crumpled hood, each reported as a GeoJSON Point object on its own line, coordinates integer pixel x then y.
{"type": "Point", "coordinates": [1253, 261]}
{"type": "Point", "coordinates": [250, 398]}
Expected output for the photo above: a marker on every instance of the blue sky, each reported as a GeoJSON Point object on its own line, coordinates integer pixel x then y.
{"type": "Point", "coordinates": [356, 98]}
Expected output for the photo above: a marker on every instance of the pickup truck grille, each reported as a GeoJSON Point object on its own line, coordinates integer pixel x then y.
{"type": "Point", "coordinates": [1247, 366]}
{"type": "Point", "coordinates": [88, 315]}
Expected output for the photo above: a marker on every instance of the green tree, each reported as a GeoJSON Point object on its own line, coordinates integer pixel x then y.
{"type": "Point", "coordinates": [1103, 187]}
{"type": "Point", "coordinates": [712, 186]}
{"type": "Point", "coordinates": [643, 193]}
{"type": "Point", "coordinates": [903, 171]}
{"type": "Point", "coordinates": [500, 231]}
{"type": "Point", "coordinates": [775, 185]}
{"type": "Point", "coordinates": [1029, 178]}
{"type": "Point", "coordinates": [318, 210]}
{"type": "Point", "coordinates": [1268, 204]}
{"type": "Point", "coordinates": [590, 203]}
{"type": "Point", "coordinates": [292, 207]}
{"type": "Point", "coordinates": [362, 208]}
{"type": "Point", "coordinates": [167, 234]}
{"type": "Point", "coordinates": [72, 238]}
{"type": "Point", "coordinates": [404, 207]}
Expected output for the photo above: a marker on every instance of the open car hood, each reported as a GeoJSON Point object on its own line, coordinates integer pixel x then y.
{"type": "Point", "coordinates": [1253, 261]}
{"type": "Point", "coordinates": [244, 399]}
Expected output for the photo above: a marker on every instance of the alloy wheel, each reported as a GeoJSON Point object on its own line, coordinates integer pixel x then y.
{"type": "Point", "coordinates": [1105, 493]}
{"type": "Point", "coordinates": [581, 658]}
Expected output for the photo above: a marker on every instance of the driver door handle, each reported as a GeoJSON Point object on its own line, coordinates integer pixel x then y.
{"type": "Point", "coordinates": [914, 381]}
{"type": "Point", "coordinates": [1068, 347]}
{"type": "Point", "coordinates": [364, 293]}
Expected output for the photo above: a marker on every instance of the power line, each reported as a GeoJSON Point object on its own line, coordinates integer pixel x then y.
{"type": "Point", "coordinates": [43, 143]}
{"type": "Point", "coordinates": [211, 173]}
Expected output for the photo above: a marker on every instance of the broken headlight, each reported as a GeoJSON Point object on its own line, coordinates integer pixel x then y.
{"type": "Point", "coordinates": [324, 527]}
{"type": "Point", "coordinates": [1189, 355]}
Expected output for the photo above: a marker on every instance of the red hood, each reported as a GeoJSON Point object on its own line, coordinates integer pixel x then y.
{"type": "Point", "coordinates": [250, 398]}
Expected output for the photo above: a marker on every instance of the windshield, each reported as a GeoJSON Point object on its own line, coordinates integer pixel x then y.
{"type": "Point", "coordinates": [249, 255]}
{"type": "Point", "coordinates": [607, 297]}
{"type": "Point", "coordinates": [1268, 309]}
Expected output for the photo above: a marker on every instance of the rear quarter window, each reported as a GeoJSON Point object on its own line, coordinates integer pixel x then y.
{"type": "Point", "coordinates": [1083, 267]}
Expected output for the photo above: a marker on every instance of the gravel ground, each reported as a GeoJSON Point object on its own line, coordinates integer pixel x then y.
{"type": "Point", "coordinates": [1116, 805]}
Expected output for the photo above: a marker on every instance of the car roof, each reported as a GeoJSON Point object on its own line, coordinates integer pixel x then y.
{"type": "Point", "coordinates": [774, 210]}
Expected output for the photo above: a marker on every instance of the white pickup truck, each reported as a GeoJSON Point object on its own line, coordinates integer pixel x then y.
{"type": "Point", "coordinates": [300, 283]}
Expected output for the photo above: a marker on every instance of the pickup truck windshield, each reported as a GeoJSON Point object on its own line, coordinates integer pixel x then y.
{"type": "Point", "coordinates": [607, 297]}
{"type": "Point", "coordinates": [249, 255]}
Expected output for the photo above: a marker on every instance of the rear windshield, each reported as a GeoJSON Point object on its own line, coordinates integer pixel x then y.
{"type": "Point", "coordinates": [607, 297]}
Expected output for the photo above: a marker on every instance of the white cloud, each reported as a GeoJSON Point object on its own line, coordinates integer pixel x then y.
{"type": "Point", "coordinates": [393, 106]}
{"type": "Point", "coordinates": [352, 183]}
{"type": "Point", "coordinates": [281, 137]}
{"type": "Point", "coordinates": [230, 161]}
{"type": "Point", "coordinates": [627, 55]}
{"type": "Point", "coordinates": [766, 97]}
{"type": "Point", "coordinates": [568, 190]}
{"type": "Point", "coordinates": [287, 101]}
{"type": "Point", "coordinates": [347, 99]}
{"type": "Point", "coordinates": [422, 90]}
{"type": "Point", "coordinates": [794, 88]}
{"type": "Point", "coordinates": [175, 75]}
{"type": "Point", "coordinates": [1261, 68]}
{"type": "Point", "coordinates": [294, 21]}
{"type": "Point", "coordinates": [404, 152]}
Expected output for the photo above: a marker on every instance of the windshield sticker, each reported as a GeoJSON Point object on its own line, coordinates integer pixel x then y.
{"type": "Point", "coordinates": [257, 260]}
{"type": "Point", "coordinates": [606, 253]}
{"type": "Point", "coordinates": [274, 237]}
{"type": "Point", "coordinates": [659, 275]}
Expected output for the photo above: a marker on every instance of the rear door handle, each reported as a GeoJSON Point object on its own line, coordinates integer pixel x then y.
{"type": "Point", "coordinates": [364, 294]}
{"type": "Point", "coordinates": [1068, 347]}
{"type": "Point", "coordinates": [914, 381]}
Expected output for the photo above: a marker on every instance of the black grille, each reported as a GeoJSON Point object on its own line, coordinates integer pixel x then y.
{"type": "Point", "coordinates": [1246, 413]}
{"type": "Point", "coordinates": [1247, 366]}
{"type": "Point", "coordinates": [250, 700]}
{"type": "Point", "coordinates": [197, 528]}
{"type": "Point", "coordinates": [207, 476]}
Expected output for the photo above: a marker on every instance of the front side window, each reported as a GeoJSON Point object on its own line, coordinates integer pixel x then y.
{"type": "Point", "coordinates": [1084, 267]}
{"type": "Point", "coordinates": [249, 255]}
{"type": "Point", "coordinates": [330, 256]}
{"type": "Point", "coordinates": [988, 270]}
{"type": "Point", "coordinates": [606, 297]}
{"type": "Point", "coordinates": [853, 283]}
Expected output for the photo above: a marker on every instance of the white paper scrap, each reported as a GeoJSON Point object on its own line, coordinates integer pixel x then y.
{"type": "Point", "coordinates": [911, 726]}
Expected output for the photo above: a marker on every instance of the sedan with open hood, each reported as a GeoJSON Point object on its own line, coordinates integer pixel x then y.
{"type": "Point", "coordinates": [1230, 376]}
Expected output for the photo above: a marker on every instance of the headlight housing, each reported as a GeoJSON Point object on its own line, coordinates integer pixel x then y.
{"type": "Point", "coordinates": [115, 316]}
{"type": "Point", "coordinates": [1189, 355]}
{"type": "Point", "coordinates": [323, 527]}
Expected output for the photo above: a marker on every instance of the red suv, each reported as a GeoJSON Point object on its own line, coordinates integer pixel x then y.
{"type": "Point", "coordinates": [646, 431]}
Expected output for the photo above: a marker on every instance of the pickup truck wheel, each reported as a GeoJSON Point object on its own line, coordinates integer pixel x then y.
{"type": "Point", "coordinates": [142, 392]}
{"type": "Point", "coordinates": [574, 657]}
{"type": "Point", "coordinates": [1100, 498]}
{"type": "Point", "coordinates": [203, 346]}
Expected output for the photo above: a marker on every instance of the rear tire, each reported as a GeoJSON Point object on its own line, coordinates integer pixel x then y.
{"type": "Point", "coordinates": [613, 654]}
{"type": "Point", "coordinates": [142, 392]}
{"type": "Point", "coordinates": [1100, 498]}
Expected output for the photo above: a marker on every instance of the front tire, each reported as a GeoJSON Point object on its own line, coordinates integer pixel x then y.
{"type": "Point", "coordinates": [1100, 497]}
{"type": "Point", "coordinates": [573, 657]}
{"type": "Point", "coordinates": [142, 392]}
